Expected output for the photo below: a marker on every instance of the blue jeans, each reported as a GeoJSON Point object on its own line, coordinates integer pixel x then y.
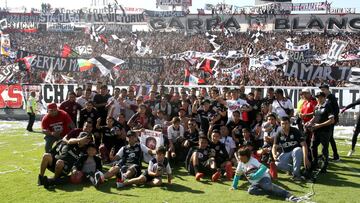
{"type": "Point", "coordinates": [49, 142]}
{"type": "Point", "coordinates": [291, 161]}
{"type": "Point", "coordinates": [265, 186]}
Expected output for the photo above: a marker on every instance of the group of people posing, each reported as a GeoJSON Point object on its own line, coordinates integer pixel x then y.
{"type": "Point", "coordinates": [210, 131]}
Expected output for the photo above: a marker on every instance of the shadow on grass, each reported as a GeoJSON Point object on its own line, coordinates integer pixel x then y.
{"type": "Point", "coordinates": [333, 179]}
{"type": "Point", "coordinates": [180, 188]}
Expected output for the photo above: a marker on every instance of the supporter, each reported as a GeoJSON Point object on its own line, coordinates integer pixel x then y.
{"type": "Point", "coordinates": [235, 126]}
{"type": "Point", "coordinates": [141, 119]}
{"type": "Point", "coordinates": [294, 149]}
{"type": "Point", "coordinates": [89, 113]}
{"type": "Point", "coordinates": [71, 107]}
{"type": "Point", "coordinates": [164, 106]}
{"type": "Point", "coordinates": [258, 176]}
{"type": "Point", "coordinates": [335, 107]}
{"type": "Point", "coordinates": [307, 112]}
{"type": "Point", "coordinates": [84, 98]}
{"type": "Point", "coordinates": [153, 175]}
{"type": "Point", "coordinates": [61, 159]}
{"type": "Point", "coordinates": [281, 105]}
{"type": "Point", "coordinates": [100, 101]}
{"type": "Point", "coordinates": [130, 160]}
{"type": "Point", "coordinates": [175, 136]}
{"type": "Point", "coordinates": [55, 125]}
{"type": "Point", "coordinates": [320, 124]}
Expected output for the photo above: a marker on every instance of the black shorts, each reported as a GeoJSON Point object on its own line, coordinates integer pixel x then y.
{"type": "Point", "coordinates": [68, 164]}
{"type": "Point", "coordinates": [148, 177]}
{"type": "Point", "coordinates": [125, 168]}
{"type": "Point", "coordinates": [203, 167]}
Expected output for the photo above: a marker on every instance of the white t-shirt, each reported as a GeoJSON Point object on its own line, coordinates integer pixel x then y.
{"type": "Point", "coordinates": [229, 143]}
{"type": "Point", "coordinates": [174, 134]}
{"type": "Point", "coordinates": [244, 168]}
{"type": "Point", "coordinates": [153, 167]}
{"type": "Point", "coordinates": [82, 101]}
{"type": "Point", "coordinates": [234, 105]}
{"type": "Point", "coordinates": [117, 109]}
{"type": "Point", "coordinates": [280, 112]}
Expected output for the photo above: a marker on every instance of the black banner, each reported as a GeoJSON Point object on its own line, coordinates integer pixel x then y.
{"type": "Point", "coordinates": [162, 14]}
{"type": "Point", "coordinates": [304, 56]}
{"type": "Point", "coordinates": [151, 65]}
{"type": "Point", "coordinates": [44, 62]}
{"type": "Point", "coordinates": [310, 72]}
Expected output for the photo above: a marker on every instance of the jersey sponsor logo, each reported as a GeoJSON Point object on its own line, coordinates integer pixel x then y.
{"type": "Point", "coordinates": [57, 127]}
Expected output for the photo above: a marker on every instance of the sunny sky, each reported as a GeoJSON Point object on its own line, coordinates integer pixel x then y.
{"type": "Point", "coordinates": [150, 4]}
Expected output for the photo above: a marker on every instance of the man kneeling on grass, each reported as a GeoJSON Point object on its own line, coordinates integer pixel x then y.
{"type": "Point", "coordinates": [258, 176]}
{"type": "Point", "coordinates": [130, 157]}
{"type": "Point", "coordinates": [153, 175]}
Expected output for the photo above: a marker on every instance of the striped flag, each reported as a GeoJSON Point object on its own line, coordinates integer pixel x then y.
{"type": "Point", "coordinates": [68, 52]}
{"type": "Point", "coordinates": [95, 32]}
{"type": "Point", "coordinates": [25, 63]}
{"type": "Point", "coordinates": [191, 80]}
{"type": "Point", "coordinates": [355, 75]}
{"type": "Point", "coordinates": [105, 63]}
{"type": "Point", "coordinates": [208, 65]}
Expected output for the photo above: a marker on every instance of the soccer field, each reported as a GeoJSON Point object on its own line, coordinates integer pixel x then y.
{"type": "Point", "coordinates": [21, 152]}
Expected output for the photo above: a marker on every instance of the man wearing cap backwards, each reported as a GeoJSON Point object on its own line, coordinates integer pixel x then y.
{"type": "Point", "coordinates": [321, 124]}
{"type": "Point", "coordinates": [335, 106]}
{"type": "Point", "coordinates": [64, 155]}
{"type": "Point", "coordinates": [55, 125]}
{"type": "Point", "coordinates": [130, 157]}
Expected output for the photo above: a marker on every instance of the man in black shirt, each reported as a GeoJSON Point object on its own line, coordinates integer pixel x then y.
{"type": "Point", "coordinates": [205, 114]}
{"type": "Point", "coordinates": [335, 107]}
{"type": "Point", "coordinates": [89, 113]}
{"type": "Point", "coordinates": [320, 124]}
{"type": "Point", "coordinates": [100, 101]}
{"type": "Point", "coordinates": [294, 149]}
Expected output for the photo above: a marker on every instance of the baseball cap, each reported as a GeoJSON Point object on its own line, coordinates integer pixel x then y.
{"type": "Point", "coordinates": [324, 86]}
{"type": "Point", "coordinates": [205, 101]}
{"type": "Point", "coordinates": [305, 90]}
{"type": "Point", "coordinates": [320, 94]}
{"type": "Point", "coordinates": [52, 106]}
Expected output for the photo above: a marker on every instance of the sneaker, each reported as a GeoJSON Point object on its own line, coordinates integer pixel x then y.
{"type": "Point", "coordinates": [198, 176]}
{"type": "Point", "coordinates": [99, 178]}
{"type": "Point", "coordinates": [351, 152]}
{"type": "Point", "coordinates": [41, 180]}
{"type": "Point", "coordinates": [215, 177]}
{"type": "Point", "coordinates": [293, 199]}
{"type": "Point", "coordinates": [336, 159]}
{"type": "Point", "coordinates": [49, 183]}
{"type": "Point", "coordinates": [298, 178]}
{"type": "Point", "coordinates": [229, 171]}
{"type": "Point", "coordinates": [119, 183]}
{"type": "Point", "coordinates": [92, 180]}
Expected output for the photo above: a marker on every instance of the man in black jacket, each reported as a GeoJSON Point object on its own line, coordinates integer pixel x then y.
{"type": "Point", "coordinates": [335, 107]}
{"type": "Point", "coordinates": [356, 129]}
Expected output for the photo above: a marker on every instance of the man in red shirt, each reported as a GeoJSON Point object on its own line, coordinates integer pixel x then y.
{"type": "Point", "coordinates": [70, 106]}
{"type": "Point", "coordinates": [307, 111]}
{"type": "Point", "coordinates": [55, 125]}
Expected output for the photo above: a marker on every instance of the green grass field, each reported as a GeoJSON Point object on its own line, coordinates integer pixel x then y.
{"type": "Point", "coordinates": [21, 152]}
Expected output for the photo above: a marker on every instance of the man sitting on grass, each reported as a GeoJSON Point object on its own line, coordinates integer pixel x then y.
{"type": "Point", "coordinates": [201, 160]}
{"type": "Point", "coordinates": [153, 175]}
{"type": "Point", "coordinates": [258, 176]}
{"type": "Point", "coordinates": [62, 158]}
{"type": "Point", "coordinates": [130, 157]}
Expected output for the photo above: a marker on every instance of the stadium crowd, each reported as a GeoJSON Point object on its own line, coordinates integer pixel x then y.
{"type": "Point", "coordinates": [167, 43]}
{"type": "Point", "coordinates": [210, 131]}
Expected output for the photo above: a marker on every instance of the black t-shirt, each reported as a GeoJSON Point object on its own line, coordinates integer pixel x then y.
{"type": "Point", "coordinates": [221, 154]}
{"type": "Point", "coordinates": [151, 104]}
{"type": "Point", "coordinates": [175, 106]}
{"type": "Point", "coordinates": [99, 99]}
{"type": "Point", "coordinates": [193, 137]}
{"type": "Point", "coordinates": [203, 155]}
{"type": "Point", "coordinates": [86, 115]}
{"type": "Point", "coordinates": [334, 105]}
{"type": "Point", "coordinates": [108, 137]}
{"type": "Point", "coordinates": [289, 142]}
{"type": "Point", "coordinates": [204, 118]}
{"type": "Point", "coordinates": [323, 113]}
{"type": "Point", "coordinates": [240, 125]}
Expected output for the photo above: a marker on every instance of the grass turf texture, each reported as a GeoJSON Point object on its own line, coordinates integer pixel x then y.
{"type": "Point", "coordinates": [21, 152]}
